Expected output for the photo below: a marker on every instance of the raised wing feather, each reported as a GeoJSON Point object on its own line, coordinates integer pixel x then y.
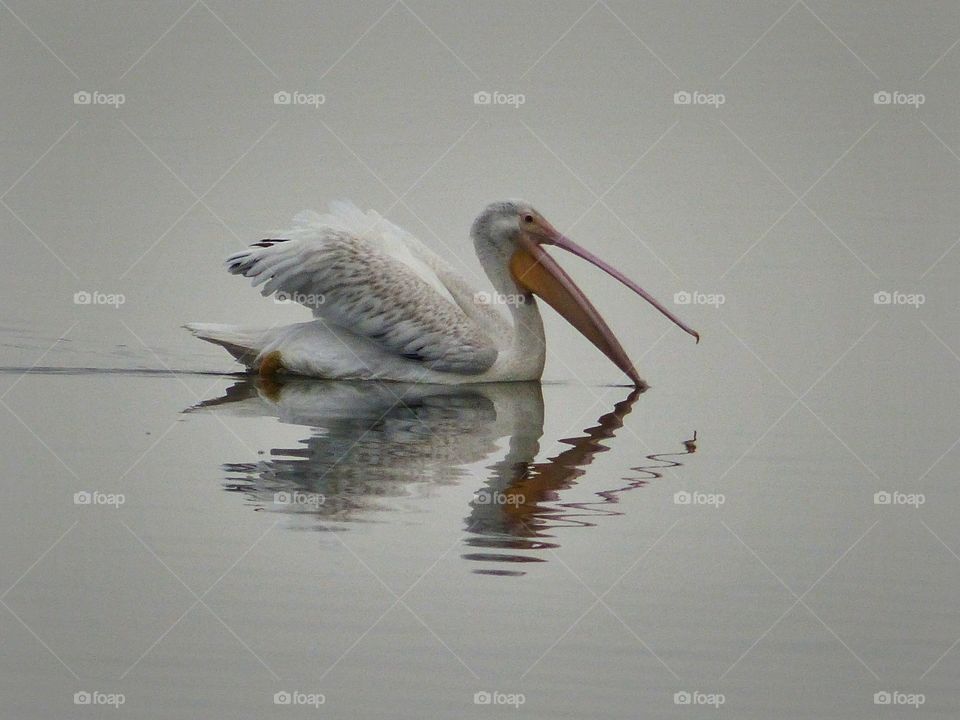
{"type": "Point", "coordinates": [363, 279]}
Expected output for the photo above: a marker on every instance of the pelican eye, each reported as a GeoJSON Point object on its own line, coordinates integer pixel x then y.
{"type": "Point", "coordinates": [528, 219]}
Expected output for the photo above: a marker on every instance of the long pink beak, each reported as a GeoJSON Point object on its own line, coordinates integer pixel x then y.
{"type": "Point", "coordinates": [534, 269]}
{"type": "Point", "coordinates": [562, 241]}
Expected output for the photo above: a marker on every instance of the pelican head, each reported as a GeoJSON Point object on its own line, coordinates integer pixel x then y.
{"type": "Point", "coordinates": [515, 232]}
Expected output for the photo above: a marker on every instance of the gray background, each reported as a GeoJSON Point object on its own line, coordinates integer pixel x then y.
{"type": "Point", "coordinates": [797, 199]}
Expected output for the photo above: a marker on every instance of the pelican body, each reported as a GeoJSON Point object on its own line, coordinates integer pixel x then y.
{"type": "Point", "coordinates": [386, 307]}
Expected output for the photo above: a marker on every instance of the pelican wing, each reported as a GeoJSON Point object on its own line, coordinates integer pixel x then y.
{"type": "Point", "coordinates": [353, 270]}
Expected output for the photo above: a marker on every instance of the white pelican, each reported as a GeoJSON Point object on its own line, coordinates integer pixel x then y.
{"type": "Point", "coordinates": [388, 308]}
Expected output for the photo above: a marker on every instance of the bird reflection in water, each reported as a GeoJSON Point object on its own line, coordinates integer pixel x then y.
{"type": "Point", "coordinates": [373, 447]}
{"type": "Point", "coordinates": [522, 502]}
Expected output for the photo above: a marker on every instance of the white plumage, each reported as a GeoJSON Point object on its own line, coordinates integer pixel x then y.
{"type": "Point", "coordinates": [386, 306]}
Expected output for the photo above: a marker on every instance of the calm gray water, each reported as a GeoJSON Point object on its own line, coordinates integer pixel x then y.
{"type": "Point", "coordinates": [769, 531]}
